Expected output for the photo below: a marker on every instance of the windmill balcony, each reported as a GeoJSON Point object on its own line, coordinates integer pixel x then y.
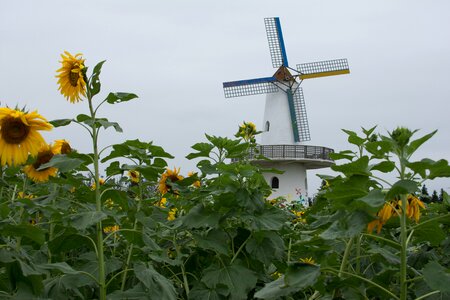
{"type": "Point", "coordinates": [313, 157]}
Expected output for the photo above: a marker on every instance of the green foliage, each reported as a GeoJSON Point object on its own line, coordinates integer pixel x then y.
{"type": "Point", "coordinates": [215, 234]}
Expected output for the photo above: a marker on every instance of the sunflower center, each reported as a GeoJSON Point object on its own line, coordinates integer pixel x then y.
{"type": "Point", "coordinates": [73, 77]}
{"type": "Point", "coordinates": [13, 130]}
{"type": "Point", "coordinates": [65, 148]}
{"type": "Point", "coordinates": [43, 158]}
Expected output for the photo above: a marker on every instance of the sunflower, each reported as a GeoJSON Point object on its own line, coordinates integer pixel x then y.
{"type": "Point", "coordinates": [173, 176]}
{"type": "Point", "coordinates": [134, 176]}
{"type": "Point", "coordinates": [109, 229]}
{"type": "Point", "coordinates": [61, 147]}
{"type": "Point", "coordinates": [197, 182]}
{"type": "Point", "coordinates": [394, 208]}
{"type": "Point", "coordinates": [72, 83]}
{"type": "Point", "coordinates": [172, 215]}
{"type": "Point", "coordinates": [44, 155]}
{"type": "Point", "coordinates": [308, 260]}
{"type": "Point", "coordinates": [19, 135]}
{"type": "Point", "coordinates": [94, 185]}
{"type": "Point", "coordinates": [161, 203]}
{"type": "Point", "coordinates": [247, 131]}
{"type": "Point", "coordinates": [22, 195]}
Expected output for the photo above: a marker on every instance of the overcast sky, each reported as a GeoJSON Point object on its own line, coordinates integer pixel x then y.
{"type": "Point", "coordinates": [176, 54]}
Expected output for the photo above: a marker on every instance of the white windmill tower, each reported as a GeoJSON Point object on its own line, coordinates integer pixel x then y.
{"type": "Point", "coordinates": [285, 121]}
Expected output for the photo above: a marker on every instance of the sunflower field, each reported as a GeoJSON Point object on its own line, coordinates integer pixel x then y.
{"type": "Point", "coordinates": [119, 223]}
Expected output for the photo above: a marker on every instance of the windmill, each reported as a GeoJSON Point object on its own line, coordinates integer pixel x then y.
{"type": "Point", "coordinates": [285, 120]}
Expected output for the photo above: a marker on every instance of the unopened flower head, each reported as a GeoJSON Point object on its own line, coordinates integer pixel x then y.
{"type": "Point", "coordinates": [401, 136]}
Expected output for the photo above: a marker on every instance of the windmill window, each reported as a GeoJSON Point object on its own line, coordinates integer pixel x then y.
{"type": "Point", "coordinates": [275, 183]}
{"type": "Point", "coordinates": [267, 126]}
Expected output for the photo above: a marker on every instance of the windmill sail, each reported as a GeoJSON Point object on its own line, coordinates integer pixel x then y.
{"type": "Point", "coordinates": [323, 68]}
{"type": "Point", "coordinates": [249, 87]}
{"type": "Point", "coordinates": [276, 42]}
{"type": "Point", "coordinates": [300, 116]}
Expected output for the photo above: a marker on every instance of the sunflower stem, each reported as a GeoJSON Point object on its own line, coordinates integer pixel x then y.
{"type": "Point", "coordinates": [98, 203]}
{"type": "Point", "coordinates": [345, 258]}
{"type": "Point", "coordinates": [131, 246]}
{"type": "Point", "coordinates": [403, 235]}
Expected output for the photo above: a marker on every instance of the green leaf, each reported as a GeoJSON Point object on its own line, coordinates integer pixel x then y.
{"type": "Point", "coordinates": [268, 219]}
{"type": "Point", "coordinates": [343, 194]}
{"type": "Point", "coordinates": [61, 266]}
{"type": "Point", "coordinates": [357, 167]}
{"type": "Point", "coordinates": [301, 275]}
{"type": "Point", "coordinates": [356, 140]}
{"type": "Point", "coordinates": [347, 227]}
{"type": "Point", "coordinates": [63, 163]}
{"type": "Point", "coordinates": [440, 169]}
{"type": "Point", "coordinates": [82, 118]}
{"type": "Point", "coordinates": [137, 149]}
{"type": "Point", "coordinates": [275, 290]}
{"type": "Point", "coordinates": [85, 219]}
{"type": "Point", "coordinates": [34, 233]}
{"type": "Point", "coordinates": [113, 169]}
{"type": "Point", "coordinates": [60, 122]}
{"type": "Point", "coordinates": [347, 154]}
{"type": "Point", "coordinates": [214, 239]}
{"type": "Point", "coordinates": [202, 292]}
{"type": "Point", "coordinates": [68, 242]}
{"type": "Point", "coordinates": [120, 97]}
{"type": "Point", "coordinates": [379, 148]}
{"type": "Point", "coordinates": [402, 187]}
{"type": "Point", "coordinates": [94, 83]}
{"type": "Point", "coordinates": [139, 291]}
{"type": "Point", "coordinates": [238, 279]}
{"type": "Point", "coordinates": [200, 216]}
{"type": "Point", "coordinates": [298, 276]}
{"type": "Point", "coordinates": [106, 124]}
{"type": "Point", "coordinates": [151, 173]}
{"type": "Point", "coordinates": [390, 257]}
{"type": "Point", "coordinates": [375, 199]}
{"type": "Point", "coordinates": [384, 166]}
{"type": "Point", "coordinates": [412, 147]}
{"type": "Point", "coordinates": [431, 169]}
{"type": "Point", "coordinates": [266, 246]}
{"type": "Point", "coordinates": [437, 277]}
{"type": "Point", "coordinates": [430, 232]}
{"type": "Point", "coordinates": [160, 287]}
{"type": "Point", "coordinates": [204, 149]}
{"type": "Point", "coordinates": [368, 132]}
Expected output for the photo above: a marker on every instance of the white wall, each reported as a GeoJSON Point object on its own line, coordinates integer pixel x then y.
{"type": "Point", "coordinates": [277, 113]}
{"type": "Point", "coordinates": [292, 182]}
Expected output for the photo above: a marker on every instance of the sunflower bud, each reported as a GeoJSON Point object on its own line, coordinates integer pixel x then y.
{"type": "Point", "coordinates": [401, 136]}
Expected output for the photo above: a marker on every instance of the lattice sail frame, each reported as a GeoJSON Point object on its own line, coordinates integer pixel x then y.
{"type": "Point", "coordinates": [276, 42]}
{"type": "Point", "coordinates": [323, 68]}
{"type": "Point", "coordinates": [301, 116]}
{"type": "Point", "coordinates": [249, 87]}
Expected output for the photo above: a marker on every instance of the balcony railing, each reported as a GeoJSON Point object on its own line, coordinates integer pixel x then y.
{"type": "Point", "coordinates": [292, 152]}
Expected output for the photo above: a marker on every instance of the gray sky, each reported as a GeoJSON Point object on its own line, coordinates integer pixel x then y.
{"type": "Point", "coordinates": [176, 54]}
